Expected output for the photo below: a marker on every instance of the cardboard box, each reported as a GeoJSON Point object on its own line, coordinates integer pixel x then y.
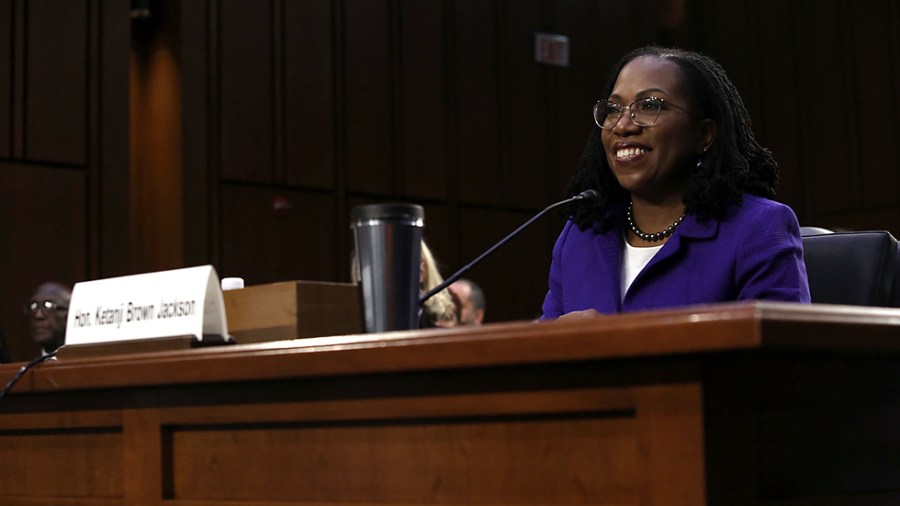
{"type": "Point", "coordinates": [293, 309]}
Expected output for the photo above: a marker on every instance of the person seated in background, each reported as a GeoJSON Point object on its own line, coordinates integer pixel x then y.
{"type": "Point", "coordinates": [685, 214]}
{"type": "Point", "coordinates": [47, 312]}
{"type": "Point", "coordinates": [470, 302]}
{"type": "Point", "coordinates": [439, 310]}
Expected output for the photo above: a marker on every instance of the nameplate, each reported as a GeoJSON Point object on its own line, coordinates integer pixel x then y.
{"type": "Point", "coordinates": [180, 302]}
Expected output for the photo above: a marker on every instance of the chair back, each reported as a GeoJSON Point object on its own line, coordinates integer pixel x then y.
{"type": "Point", "coordinates": [895, 286]}
{"type": "Point", "coordinates": [855, 268]}
{"type": "Point", "coordinates": [804, 231]}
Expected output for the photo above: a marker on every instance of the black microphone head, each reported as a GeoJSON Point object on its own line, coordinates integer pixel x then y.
{"type": "Point", "coordinates": [588, 195]}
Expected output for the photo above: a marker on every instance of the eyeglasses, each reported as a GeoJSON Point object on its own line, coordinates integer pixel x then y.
{"type": "Point", "coordinates": [46, 306]}
{"type": "Point", "coordinates": [644, 112]}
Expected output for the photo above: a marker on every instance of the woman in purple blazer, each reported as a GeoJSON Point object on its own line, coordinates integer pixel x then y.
{"type": "Point", "coordinates": [684, 215]}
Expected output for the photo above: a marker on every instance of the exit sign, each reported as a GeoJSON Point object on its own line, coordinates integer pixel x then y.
{"type": "Point", "coordinates": [551, 49]}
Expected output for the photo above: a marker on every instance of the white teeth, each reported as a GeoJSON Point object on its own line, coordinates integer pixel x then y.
{"type": "Point", "coordinates": [626, 153]}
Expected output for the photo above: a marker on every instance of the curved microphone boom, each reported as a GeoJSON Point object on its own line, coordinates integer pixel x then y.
{"type": "Point", "coordinates": [586, 195]}
{"type": "Point", "coordinates": [22, 370]}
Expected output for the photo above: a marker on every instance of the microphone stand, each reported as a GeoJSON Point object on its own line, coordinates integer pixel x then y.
{"type": "Point", "coordinates": [588, 195]}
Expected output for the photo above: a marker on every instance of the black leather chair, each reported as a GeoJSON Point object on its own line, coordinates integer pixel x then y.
{"type": "Point", "coordinates": [854, 268]}
{"type": "Point", "coordinates": [895, 287]}
{"type": "Point", "coordinates": [804, 231]}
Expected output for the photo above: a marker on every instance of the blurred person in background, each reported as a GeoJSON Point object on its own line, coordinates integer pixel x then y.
{"type": "Point", "coordinates": [440, 310]}
{"type": "Point", "coordinates": [470, 301]}
{"type": "Point", "coordinates": [47, 312]}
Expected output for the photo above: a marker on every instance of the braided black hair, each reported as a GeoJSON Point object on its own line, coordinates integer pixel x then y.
{"type": "Point", "coordinates": [734, 164]}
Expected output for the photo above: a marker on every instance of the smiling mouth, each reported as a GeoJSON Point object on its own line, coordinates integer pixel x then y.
{"type": "Point", "coordinates": [626, 154]}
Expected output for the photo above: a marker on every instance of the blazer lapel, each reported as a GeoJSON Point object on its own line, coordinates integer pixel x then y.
{"type": "Point", "coordinates": [610, 245]}
{"type": "Point", "coordinates": [690, 229]}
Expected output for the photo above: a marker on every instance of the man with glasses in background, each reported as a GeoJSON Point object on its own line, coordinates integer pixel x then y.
{"type": "Point", "coordinates": [47, 312]}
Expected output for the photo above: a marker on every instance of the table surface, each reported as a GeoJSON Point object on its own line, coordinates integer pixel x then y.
{"type": "Point", "coordinates": [689, 330]}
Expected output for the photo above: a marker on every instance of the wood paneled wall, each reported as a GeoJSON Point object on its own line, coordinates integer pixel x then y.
{"type": "Point", "coordinates": [317, 106]}
{"type": "Point", "coordinates": [63, 149]}
{"type": "Point", "coordinates": [822, 83]}
{"type": "Point", "coordinates": [262, 122]}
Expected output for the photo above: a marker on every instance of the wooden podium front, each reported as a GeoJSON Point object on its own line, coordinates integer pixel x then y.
{"type": "Point", "coordinates": [738, 404]}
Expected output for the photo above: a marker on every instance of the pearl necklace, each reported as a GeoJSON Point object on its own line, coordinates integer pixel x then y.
{"type": "Point", "coordinates": [658, 236]}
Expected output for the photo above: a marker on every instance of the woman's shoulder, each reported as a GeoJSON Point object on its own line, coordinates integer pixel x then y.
{"type": "Point", "coordinates": [761, 213]}
{"type": "Point", "coordinates": [574, 236]}
{"type": "Point", "coordinates": [754, 205]}
{"type": "Point", "coordinates": [757, 202]}
{"type": "Point", "coordinates": [574, 232]}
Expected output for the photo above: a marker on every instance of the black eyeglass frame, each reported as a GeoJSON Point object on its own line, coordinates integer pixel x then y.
{"type": "Point", "coordinates": [631, 112]}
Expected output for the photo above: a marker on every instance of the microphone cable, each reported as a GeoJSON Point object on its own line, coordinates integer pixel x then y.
{"type": "Point", "coordinates": [587, 195]}
{"type": "Point", "coordinates": [22, 370]}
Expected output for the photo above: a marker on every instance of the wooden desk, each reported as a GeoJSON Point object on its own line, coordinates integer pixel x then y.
{"type": "Point", "coordinates": [735, 404]}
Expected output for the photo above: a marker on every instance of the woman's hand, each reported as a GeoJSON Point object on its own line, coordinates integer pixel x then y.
{"type": "Point", "coordinates": [580, 315]}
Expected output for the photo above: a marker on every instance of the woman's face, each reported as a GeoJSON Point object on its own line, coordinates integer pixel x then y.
{"type": "Point", "coordinates": [654, 163]}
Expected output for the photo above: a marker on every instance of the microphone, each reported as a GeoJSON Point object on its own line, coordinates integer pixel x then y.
{"type": "Point", "coordinates": [585, 196]}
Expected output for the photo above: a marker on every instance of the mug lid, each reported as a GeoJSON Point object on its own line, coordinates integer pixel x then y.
{"type": "Point", "coordinates": [387, 211]}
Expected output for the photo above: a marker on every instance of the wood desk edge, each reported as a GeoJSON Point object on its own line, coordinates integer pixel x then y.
{"type": "Point", "coordinates": [689, 330]}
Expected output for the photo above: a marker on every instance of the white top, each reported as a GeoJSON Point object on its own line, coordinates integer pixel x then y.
{"type": "Point", "coordinates": [633, 262]}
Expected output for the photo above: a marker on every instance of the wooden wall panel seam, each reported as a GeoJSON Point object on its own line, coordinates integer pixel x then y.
{"type": "Point", "coordinates": [340, 176]}
{"type": "Point", "coordinates": [7, 21]}
{"type": "Point", "coordinates": [454, 256]}
{"type": "Point", "coordinates": [395, 64]}
{"type": "Point", "coordinates": [894, 8]}
{"type": "Point", "coordinates": [278, 90]}
{"type": "Point", "coordinates": [18, 88]}
{"type": "Point", "coordinates": [215, 131]}
{"type": "Point", "coordinates": [93, 99]}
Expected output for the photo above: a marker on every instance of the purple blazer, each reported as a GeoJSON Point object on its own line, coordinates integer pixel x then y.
{"type": "Point", "coordinates": [754, 252]}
